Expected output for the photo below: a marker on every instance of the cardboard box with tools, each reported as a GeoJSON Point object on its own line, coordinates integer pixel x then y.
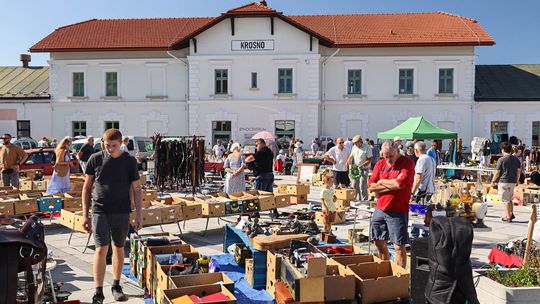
{"type": "Point", "coordinates": [321, 283]}
{"type": "Point", "coordinates": [204, 293]}
{"type": "Point", "coordinates": [25, 206]}
{"type": "Point", "coordinates": [201, 279]}
{"type": "Point", "coordinates": [298, 189]}
{"type": "Point", "coordinates": [161, 277]}
{"type": "Point", "coordinates": [374, 279]}
{"type": "Point", "coordinates": [339, 219]}
{"type": "Point", "coordinates": [345, 194]}
{"type": "Point", "coordinates": [267, 200]}
{"type": "Point", "coordinates": [214, 206]}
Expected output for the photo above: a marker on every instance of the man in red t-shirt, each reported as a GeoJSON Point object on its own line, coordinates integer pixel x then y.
{"type": "Point", "coordinates": [392, 180]}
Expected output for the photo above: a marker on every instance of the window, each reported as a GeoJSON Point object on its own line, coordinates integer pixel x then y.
{"type": "Point", "coordinates": [446, 81]}
{"type": "Point", "coordinates": [354, 82]}
{"type": "Point", "coordinates": [131, 145]}
{"type": "Point", "coordinates": [406, 81]}
{"type": "Point", "coordinates": [254, 80]}
{"type": "Point", "coordinates": [111, 84]}
{"type": "Point", "coordinates": [157, 82]}
{"type": "Point", "coordinates": [222, 82]}
{"type": "Point", "coordinates": [285, 81]}
{"type": "Point", "coordinates": [48, 157]}
{"type": "Point", "coordinates": [536, 133]}
{"type": "Point", "coordinates": [79, 128]}
{"type": "Point", "coordinates": [221, 130]}
{"type": "Point", "coordinates": [78, 84]}
{"type": "Point", "coordinates": [34, 158]}
{"type": "Point", "coordinates": [23, 128]}
{"type": "Point", "coordinates": [499, 131]}
{"type": "Point", "coordinates": [112, 125]}
{"type": "Point", "coordinates": [144, 146]}
{"type": "Point", "coordinates": [284, 132]}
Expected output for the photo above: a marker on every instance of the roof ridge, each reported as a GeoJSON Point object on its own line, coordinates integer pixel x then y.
{"type": "Point", "coordinates": [154, 18]}
{"type": "Point", "coordinates": [77, 23]}
{"type": "Point", "coordinates": [378, 14]}
{"type": "Point", "coordinates": [456, 15]}
{"type": "Point", "coordinates": [254, 3]}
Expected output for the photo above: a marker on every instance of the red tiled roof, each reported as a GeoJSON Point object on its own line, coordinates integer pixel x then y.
{"type": "Point", "coordinates": [253, 7]}
{"type": "Point", "coordinates": [119, 34]}
{"type": "Point", "coordinates": [397, 29]}
{"type": "Point", "coordinates": [368, 30]}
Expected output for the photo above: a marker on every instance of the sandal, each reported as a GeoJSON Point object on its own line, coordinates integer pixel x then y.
{"type": "Point", "coordinates": [513, 216]}
{"type": "Point", "coordinates": [505, 219]}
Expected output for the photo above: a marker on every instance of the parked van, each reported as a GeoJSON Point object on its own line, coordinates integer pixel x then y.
{"type": "Point", "coordinates": [25, 143]}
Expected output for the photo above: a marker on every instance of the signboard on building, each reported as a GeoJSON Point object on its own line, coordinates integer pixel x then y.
{"type": "Point", "coordinates": [252, 45]}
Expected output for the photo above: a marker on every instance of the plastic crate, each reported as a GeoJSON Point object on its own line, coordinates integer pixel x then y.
{"type": "Point", "coordinates": [49, 204]}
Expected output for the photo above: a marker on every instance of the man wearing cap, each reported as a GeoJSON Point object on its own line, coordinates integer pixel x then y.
{"type": "Point", "coordinates": [361, 155]}
{"type": "Point", "coordinates": [338, 156]}
{"type": "Point", "coordinates": [10, 156]}
{"type": "Point", "coordinates": [399, 142]}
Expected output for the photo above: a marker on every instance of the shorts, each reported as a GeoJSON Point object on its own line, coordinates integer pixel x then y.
{"type": "Point", "coordinates": [506, 191]}
{"type": "Point", "coordinates": [329, 216]}
{"type": "Point", "coordinates": [391, 226]}
{"type": "Point", "coordinates": [105, 226]}
{"type": "Point", "coordinates": [341, 178]}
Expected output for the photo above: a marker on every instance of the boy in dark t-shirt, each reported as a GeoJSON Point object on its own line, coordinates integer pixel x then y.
{"type": "Point", "coordinates": [112, 174]}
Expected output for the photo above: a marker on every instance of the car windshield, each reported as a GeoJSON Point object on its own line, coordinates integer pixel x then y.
{"type": "Point", "coordinates": [48, 156]}
{"type": "Point", "coordinates": [77, 146]}
{"type": "Point", "coordinates": [144, 145]}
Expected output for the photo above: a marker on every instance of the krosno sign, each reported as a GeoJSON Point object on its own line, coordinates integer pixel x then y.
{"type": "Point", "coordinates": [252, 45]}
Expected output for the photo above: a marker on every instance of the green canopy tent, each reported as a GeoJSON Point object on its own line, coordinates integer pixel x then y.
{"type": "Point", "coordinates": [421, 129]}
{"type": "Point", "coordinates": [417, 128]}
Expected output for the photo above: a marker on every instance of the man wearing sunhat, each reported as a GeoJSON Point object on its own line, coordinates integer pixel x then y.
{"type": "Point", "coordinates": [399, 142]}
{"type": "Point", "coordinates": [360, 157]}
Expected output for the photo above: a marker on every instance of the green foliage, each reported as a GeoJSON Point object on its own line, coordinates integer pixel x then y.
{"type": "Point", "coordinates": [526, 276]}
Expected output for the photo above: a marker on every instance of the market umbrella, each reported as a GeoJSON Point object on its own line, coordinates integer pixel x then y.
{"type": "Point", "coordinates": [263, 135]}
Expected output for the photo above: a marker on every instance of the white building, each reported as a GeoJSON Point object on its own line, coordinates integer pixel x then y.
{"type": "Point", "coordinates": [254, 69]}
{"type": "Point", "coordinates": [25, 108]}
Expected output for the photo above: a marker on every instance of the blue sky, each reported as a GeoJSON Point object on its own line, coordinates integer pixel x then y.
{"type": "Point", "coordinates": [514, 24]}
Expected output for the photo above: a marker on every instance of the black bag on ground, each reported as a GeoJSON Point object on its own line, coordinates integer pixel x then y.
{"type": "Point", "coordinates": [449, 251]}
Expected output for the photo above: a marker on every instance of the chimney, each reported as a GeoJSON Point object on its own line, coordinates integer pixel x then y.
{"type": "Point", "coordinates": [26, 58]}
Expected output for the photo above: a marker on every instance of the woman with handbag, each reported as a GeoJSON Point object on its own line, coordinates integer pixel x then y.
{"type": "Point", "coordinates": [60, 179]}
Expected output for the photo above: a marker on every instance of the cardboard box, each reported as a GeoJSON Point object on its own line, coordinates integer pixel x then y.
{"type": "Point", "coordinates": [282, 200]}
{"type": "Point", "coordinates": [332, 286]}
{"type": "Point", "coordinates": [273, 264]}
{"type": "Point", "coordinates": [150, 217]}
{"type": "Point", "coordinates": [25, 184]}
{"type": "Point", "coordinates": [7, 209]}
{"type": "Point", "coordinates": [72, 220]}
{"type": "Point", "coordinates": [343, 261]}
{"type": "Point", "coordinates": [298, 199]}
{"type": "Point", "coordinates": [241, 253]}
{"type": "Point", "coordinates": [249, 203]}
{"type": "Point", "coordinates": [160, 279]}
{"type": "Point", "coordinates": [298, 189]}
{"type": "Point", "coordinates": [271, 286]}
{"type": "Point", "coordinates": [192, 211]}
{"type": "Point", "coordinates": [339, 219]}
{"type": "Point", "coordinates": [39, 185]}
{"type": "Point", "coordinates": [233, 207]}
{"type": "Point", "coordinates": [170, 294]}
{"type": "Point", "coordinates": [25, 206]}
{"type": "Point", "coordinates": [249, 271]}
{"type": "Point", "coordinates": [171, 214]}
{"type": "Point", "coordinates": [201, 279]}
{"type": "Point", "coordinates": [267, 200]}
{"type": "Point", "coordinates": [345, 194]}
{"type": "Point", "coordinates": [380, 281]}
{"type": "Point", "coordinates": [76, 185]}
{"type": "Point", "coordinates": [343, 204]}
{"type": "Point", "coordinates": [214, 206]}
{"type": "Point", "coordinates": [72, 204]}
{"type": "Point", "coordinates": [282, 189]}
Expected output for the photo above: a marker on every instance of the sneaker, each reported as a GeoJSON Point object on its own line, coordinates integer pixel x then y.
{"type": "Point", "coordinates": [118, 294]}
{"type": "Point", "coordinates": [98, 299]}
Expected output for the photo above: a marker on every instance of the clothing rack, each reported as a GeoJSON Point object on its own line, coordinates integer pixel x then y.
{"type": "Point", "coordinates": [179, 163]}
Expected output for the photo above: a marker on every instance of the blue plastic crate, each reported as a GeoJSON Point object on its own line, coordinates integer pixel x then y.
{"type": "Point", "coordinates": [49, 204]}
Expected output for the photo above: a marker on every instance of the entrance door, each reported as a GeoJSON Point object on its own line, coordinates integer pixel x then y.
{"type": "Point", "coordinates": [354, 127]}
{"type": "Point", "coordinates": [221, 130]}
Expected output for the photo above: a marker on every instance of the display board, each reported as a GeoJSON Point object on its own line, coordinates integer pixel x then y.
{"type": "Point", "coordinates": [305, 172]}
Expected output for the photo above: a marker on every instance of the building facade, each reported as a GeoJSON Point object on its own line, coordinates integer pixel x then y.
{"type": "Point", "coordinates": [253, 69]}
